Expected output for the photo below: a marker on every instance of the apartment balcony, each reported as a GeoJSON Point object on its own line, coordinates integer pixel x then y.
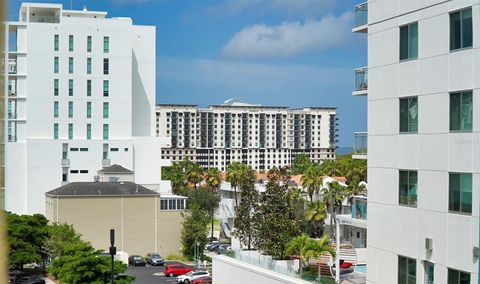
{"type": "Point", "coordinates": [360, 147]}
{"type": "Point", "coordinates": [361, 18]}
{"type": "Point", "coordinates": [359, 207]}
{"type": "Point", "coordinates": [65, 162]}
{"type": "Point", "coordinates": [361, 82]}
{"type": "Point", "coordinates": [12, 66]}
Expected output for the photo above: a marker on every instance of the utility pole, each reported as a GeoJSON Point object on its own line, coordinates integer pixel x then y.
{"type": "Point", "coordinates": [113, 252]}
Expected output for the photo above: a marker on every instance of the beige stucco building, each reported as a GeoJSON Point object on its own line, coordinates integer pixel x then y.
{"type": "Point", "coordinates": [144, 220]}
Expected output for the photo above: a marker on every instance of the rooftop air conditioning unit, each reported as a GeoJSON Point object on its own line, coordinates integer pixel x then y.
{"type": "Point", "coordinates": [428, 244]}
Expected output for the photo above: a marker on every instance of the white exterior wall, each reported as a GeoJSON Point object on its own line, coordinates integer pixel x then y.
{"type": "Point", "coordinates": [34, 158]}
{"type": "Point", "coordinates": [434, 152]}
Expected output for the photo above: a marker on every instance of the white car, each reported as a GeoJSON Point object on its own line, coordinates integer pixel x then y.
{"type": "Point", "coordinates": [192, 275]}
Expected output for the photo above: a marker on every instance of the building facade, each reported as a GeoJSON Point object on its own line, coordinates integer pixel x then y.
{"type": "Point", "coordinates": [81, 95]}
{"type": "Point", "coordinates": [259, 136]}
{"type": "Point", "coordinates": [423, 140]}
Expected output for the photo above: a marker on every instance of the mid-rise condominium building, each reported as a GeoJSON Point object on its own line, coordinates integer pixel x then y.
{"type": "Point", "coordinates": [259, 136]}
{"type": "Point", "coordinates": [423, 139]}
{"type": "Point", "coordinates": [81, 95]}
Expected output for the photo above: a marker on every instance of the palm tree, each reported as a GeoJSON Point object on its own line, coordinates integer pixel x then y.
{"type": "Point", "coordinates": [333, 195]}
{"type": "Point", "coordinates": [312, 180]}
{"type": "Point", "coordinates": [194, 174]}
{"type": "Point", "coordinates": [306, 248]}
{"type": "Point", "coordinates": [178, 179]}
{"type": "Point", "coordinates": [213, 180]}
{"type": "Point", "coordinates": [316, 214]}
{"type": "Point", "coordinates": [354, 188]}
{"type": "Point", "coordinates": [234, 171]}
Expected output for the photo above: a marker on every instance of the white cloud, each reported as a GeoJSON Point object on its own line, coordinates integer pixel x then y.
{"type": "Point", "coordinates": [290, 38]}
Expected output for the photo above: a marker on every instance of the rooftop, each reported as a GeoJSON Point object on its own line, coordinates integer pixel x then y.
{"type": "Point", "coordinates": [115, 169]}
{"type": "Point", "coordinates": [100, 189]}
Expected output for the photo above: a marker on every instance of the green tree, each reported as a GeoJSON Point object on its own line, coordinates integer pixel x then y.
{"type": "Point", "coordinates": [213, 180]}
{"type": "Point", "coordinates": [333, 195]}
{"type": "Point", "coordinates": [316, 215]}
{"type": "Point", "coordinates": [194, 230]}
{"type": "Point", "coordinates": [312, 180]}
{"type": "Point", "coordinates": [244, 222]}
{"type": "Point", "coordinates": [234, 170]}
{"type": "Point", "coordinates": [276, 221]}
{"type": "Point", "coordinates": [193, 174]}
{"type": "Point", "coordinates": [60, 236]}
{"type": "Point", "coordinates": [300, 164]}
{"type": "Point", "coordinates": [306, 248]}
{"type": "Point", "coordinates": [26, 235]}
{"type": "Point", "coordinates": [80, 264]}
{"type": "Point", "coordinates": [354, 188]}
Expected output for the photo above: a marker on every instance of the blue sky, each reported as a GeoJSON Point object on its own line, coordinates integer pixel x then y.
{"type": "Point", "coordinates": [273, 52]}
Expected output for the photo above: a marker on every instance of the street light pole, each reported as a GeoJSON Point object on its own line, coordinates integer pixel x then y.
{"type": "Point", "coordinates": [113, 252]}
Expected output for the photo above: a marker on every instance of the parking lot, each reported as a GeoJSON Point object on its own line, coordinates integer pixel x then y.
{"type": "Point", "coordinates": [151, 274]}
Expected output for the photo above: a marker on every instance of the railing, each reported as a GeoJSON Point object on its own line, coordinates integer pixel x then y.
{"type": "Point", "coordinates": [361, 79]}
{"type": "Point", "coordinates": [361, 143]}
{"type": "Point", "coordinates": [12, 66]}
{"type": "Point", "coordinates": [359, 208]}
{"type": "Point", "coordinates": [44, 19]}
{"type": "Point", "coordinates": [361, 14]}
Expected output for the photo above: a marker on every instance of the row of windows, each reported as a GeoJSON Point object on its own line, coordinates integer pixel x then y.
{"type": "Point", "coordinates": [88, 129]}
{"type": "Point", "coordinates": [56, 87]}
{"type": "Point", "coordinates": [172, 204]}
{"type": "Point", "coordinates": [56, 43]}
{"type": "Point", "coordinates": [241, 115]}
{"type": "Point", "coordinates": [106, 109]}
{"type": "Point", "coordinates": [459, 191]}
{"type": "Point", "coordinates": [461, 34]}
{"type": "Point", "coordinates": [407, 272]}
{"type": "Point", "coordinates": [56, 65]}
{"type": "Point", "coordinates": [461, 113]}
{"type": "Point", "coordinates": [79, 171]}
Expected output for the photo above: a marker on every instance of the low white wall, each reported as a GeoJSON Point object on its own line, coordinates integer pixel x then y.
{"type": "Point", "coordinates": [228, 270]}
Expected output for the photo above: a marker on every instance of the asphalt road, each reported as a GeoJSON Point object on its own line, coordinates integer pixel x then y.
{"type": "Point", "coordinates": [151, 274]}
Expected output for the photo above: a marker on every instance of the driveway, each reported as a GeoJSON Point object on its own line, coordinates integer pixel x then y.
{"type": "Point", "coordinates": [151, 274]}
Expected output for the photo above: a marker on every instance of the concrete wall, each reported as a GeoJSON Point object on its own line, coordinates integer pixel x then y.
{"type": "Point", "coordinates": [232, 271]}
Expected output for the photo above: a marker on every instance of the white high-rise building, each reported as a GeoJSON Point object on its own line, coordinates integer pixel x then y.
{"type": "Point", "coordinates": [423, 139]}
{"type": "Point", "coordinates": [262, 137]}
{"type": "Point", "coordinates": [81, 95]}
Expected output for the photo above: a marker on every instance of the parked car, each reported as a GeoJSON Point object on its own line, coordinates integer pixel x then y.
{"type": "Point", "coordinates": [192, 275]}
{"type": "Point", "coordinates": [136, 260]}
{"type": "Point", "coordinates": [202, 280]}
{"type": "Point", "coordinates": [222, 248]}
{"type": "Point", "coordinates": [30, 280]}
{"type": "Point", "coordinates": [15, 275]}
{"type": "Point", "coordinates": [176, 269]}
{"type": "Point", "coordinates": [154, 259]}
{"type": "Point", "coordinates": [210, 243]}
{"type": "Point", "coordinates": [211, 246]}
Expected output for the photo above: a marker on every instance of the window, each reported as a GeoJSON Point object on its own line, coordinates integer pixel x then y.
{"type": "Point", "coordinates": [407, 270]}
{"type": "Point", "coordinates": [461, 34]}
{"type": "Point", "coordinates": [89, 109]}
{"type": "Point", "coordinates": [460, 193]}
{"type": "Point", "coordinates": [55, 87]}
{"type": "Point", "coordinates": [113, 149]}
{"type": "Point", "coordinates": [89, 88]}
{"type": "Point", "coordinates": [106, 87]}
{"type": "Point", "coordinates": [70, 109]}
{"type": "Point", "coordinates": [89, 131]}
{"type": "Point", "coordinates": [70, 131]}
{"type": "Point", "coordinates": [70, 43]}
{"type": "Point", "coordinates": [83, 149]}
{"type": "Point", "coordinates": [105, 110]}
{"type": "Point", "coordinates": [105, 132]}
{"type": "Point", "coordinates": [70, 65]}
{"type": "Point", "coordinates": [409, 41]}
{"type": "Point", "coordinates": [74, 149]}
{"type": "Point", "coordinates": [84, 171]}
{"type": "Point", "coordinates": [70, 87]}
{"type": "Point", "coordinates": [89, 43]}
{"type": "Point", "coordinates": [56, 43]}
{"type": "Point", "coordinates": [106, 44]}
{"type": "Point", "coordinates": [89, 65]}
{"type": "Point", "coordinates": [409, 114]}
{"type": "Point", "coordinates": [105, 66]}
{"type": "Point", "coordinates": [429, 272]}
{"type": "Point", "coordinates": [55, 64]}
{"type": "Point", "coordinates": [55, 109]}
{"type": "Point", "coordinates": [461, 111]}
{"type": "Point", "coordinates": [408, 188]}
{"type": "Point", "coordinates": [458, 277]}
{"type": "Point", "coordinates": [55, 131]}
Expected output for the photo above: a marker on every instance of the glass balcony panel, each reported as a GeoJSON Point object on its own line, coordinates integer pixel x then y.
{"type": "Point", "coordinates": [361, 14]}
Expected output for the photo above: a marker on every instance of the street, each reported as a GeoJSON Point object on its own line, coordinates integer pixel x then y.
{"type": "Point", "coordinates": [151, 274]}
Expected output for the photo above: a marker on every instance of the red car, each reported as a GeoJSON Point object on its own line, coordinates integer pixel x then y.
{"type": "Point", "coordinates": [176, 269]}
{"type": "Point", "coordinates": [202, 280]}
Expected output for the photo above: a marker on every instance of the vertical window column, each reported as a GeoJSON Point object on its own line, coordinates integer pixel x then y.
{"type": "Point", "coordinates": [105, 66]}
{"type": "Point", "coordinates": [70, 131]}
{"type": "Point", "coordinates": [55, 109]}
{"type": "Point", "coordinates": [56, 43]}
{"type": "Point", "coordinates": [55, 65]}
{"type": "Point", "coordinates": [70, 65]}
{"type": "Point", "coordinates": [70, 43]}
{"type": "Point", "coordinates": [55, 87]}
{"type": "Point", "coordinates": [89, 65]}
{"type": "Point", "coordinates": [106, 44]}
{"type": "Point", "coordinates": [89, 131]}
{"type": "Point", "coordinates": [89, 43]}
{"type": "Point", "coordinates": [89, 88]}
{"type": "Point", "coordinates": [55, 131]}
{"type": "Point", "coordinates": [70, 87]}
{"type": "Point", "coordinates": [70, 109]}
{"type": "Point", "coordinates": [89, 109]}
{"type": "Point", "coordinates": [105, 110]}
{"type": "Point", "coordinates": [106, 88]}
{"type": "Point", "coordinates": [105, 132]}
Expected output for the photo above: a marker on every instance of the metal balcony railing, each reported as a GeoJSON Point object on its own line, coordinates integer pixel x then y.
{"type": "Point", "coordinates": [361, 14]}
{"type": "Point", "coordinates": [359, 208]}
{"type": "Point", "coordinates": [361, 79]}
{"type": "Point", "coordinates": [360, 143]}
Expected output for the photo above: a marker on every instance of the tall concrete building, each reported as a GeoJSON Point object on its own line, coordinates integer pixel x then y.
{"type": "Point", "coordinates": [423, 139]}
{"type": "Point", "coordinates": [259, 136]}
{"type": "Point", "coordinates": [81, 95]}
